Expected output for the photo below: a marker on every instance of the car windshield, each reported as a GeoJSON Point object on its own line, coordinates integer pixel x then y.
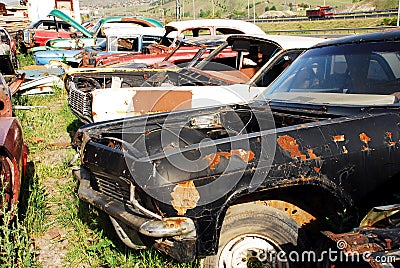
{"type": "Point", "coordinates": [347, 74]}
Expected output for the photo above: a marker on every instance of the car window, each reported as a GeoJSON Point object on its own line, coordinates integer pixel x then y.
{"type": "Point", "coordinates": [196, 32]}
{"type": "Point", "coordinates": [50, 25]}
{"type": "Point", "coordinates": [248, 56]}
{"type": "Point", "coordinates": [366, 68]}
{"type": "Point", "coordinates": [276, 68]}
{"type": "Point", "coordinates": [224, 31]}
{"type": "Point", "coordinates": [148, 40]}
{"type": "Point", "coordinates": [124, 44]}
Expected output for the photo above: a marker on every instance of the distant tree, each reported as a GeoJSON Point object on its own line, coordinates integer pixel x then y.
{"type": "Point", "coordinates": [273, 8]}
{"type": "Point", "coordinates": [201, 13]}
{"type": "Point", "coordinates": [389, 21]}
{"type": "Point", "coordinates": [251, 5]}
{"type": "Point", "coordinates": [204, 14]}
{"type": "Point", "coordinates": [218, 13]}
{"type": "Point", "coordinates": [266, 8]}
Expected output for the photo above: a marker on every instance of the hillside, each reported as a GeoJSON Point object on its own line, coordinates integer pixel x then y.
{"type": "Point", "coordinates": [165, 9]}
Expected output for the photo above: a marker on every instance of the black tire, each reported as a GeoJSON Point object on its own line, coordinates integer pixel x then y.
{"type": "Point", "coordinates": [258, 232]}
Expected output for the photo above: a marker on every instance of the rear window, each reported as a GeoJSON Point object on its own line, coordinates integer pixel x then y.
{"type": "Point", "coordinates": [224, 31]}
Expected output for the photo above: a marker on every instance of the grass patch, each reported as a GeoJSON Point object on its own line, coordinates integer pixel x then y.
{"type": "Point", "coordinates": [323, 24]}
{"type": "Point", "coordinates": [50, 211]}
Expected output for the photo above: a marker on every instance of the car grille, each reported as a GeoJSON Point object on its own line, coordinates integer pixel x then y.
{"type": "Point", "coordinates": [115, 188]}
{"type": "Point", "coordinates": [80, 104]}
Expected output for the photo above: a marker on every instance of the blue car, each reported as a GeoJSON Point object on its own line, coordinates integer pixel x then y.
{"type": "Point", "coordinates": [118, 40]}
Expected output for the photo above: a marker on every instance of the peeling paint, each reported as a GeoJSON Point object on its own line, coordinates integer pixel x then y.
{"type": "Point", "coordinates": [215, 159]}
{"type": "Point", "coordinates": [389, 138]}
{"type": "Point", "coordinates": [300, 216]}
{"type": "Point", "coordinates": [185, 196]}
{"type": "Point", "coordinates": [311, 154]}
{"type": "Point", "coordinates": [364, 138]}
{"type": "Point", "coordinates": [290, 145]}
{"type": "Point", "coordinates": [338, 138]}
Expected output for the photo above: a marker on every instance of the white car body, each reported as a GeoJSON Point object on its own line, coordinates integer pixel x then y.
{"type": "Point", "coordinates": [117, 102]}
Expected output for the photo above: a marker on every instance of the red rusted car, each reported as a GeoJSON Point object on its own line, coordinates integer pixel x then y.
{"type": "Point", "coordinates": [182, 53]}
{"type": "Point", "coordinates": [39, 32]}
{"type": "Point", "coordinates": [13, 151]}
{"type": "Point", "coordinates": [178, 31]}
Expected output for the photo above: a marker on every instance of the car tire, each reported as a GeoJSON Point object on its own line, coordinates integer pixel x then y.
{"type": "Point", "coordinates": [253, 235]}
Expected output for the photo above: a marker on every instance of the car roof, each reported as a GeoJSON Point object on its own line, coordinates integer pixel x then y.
{"type": "Point", "coordinates": [205, 40]}
{"type": "Point", "coordinates": [131, 31]}
{"type": "Point", "coordinates": [284, 41]}
{"type": "Point", "coordinates": [145, 22]}
{"type": "Point", "coordinates": [382, 36]}
{"type": "Point", "coordinates": [246, 27]}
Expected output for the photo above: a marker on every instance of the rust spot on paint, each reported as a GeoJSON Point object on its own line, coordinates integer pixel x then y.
{"type": "Point", "coordinates": [173, 222]}
{"type": "Point", "coordinates": [215, 159]}
{"type": "Point", "coordinates": [389, 138]}
{"type": "Point", "coordinates": [338, 138]}
{"type": "Point", "coordinates": [290, 145]}
{"type": "Point", "coordinates": [311, 154]}
{"type": "Point", "coordinates": [345, 151]}
{"type": "Point", "coordinates": [317, 169]}
{"type": "Point", "coordinates": [364, 138]}
{"type": "Point", "coordinates": [300, 216]}
{"type": "Point", "coordinates": [246, 156]}
{"type": "Point", "coordinates": [185, 196]}
{"type": "Point", "coordinates": [111, 144]}
{"type": "Point", "coordinates": [366, 148]}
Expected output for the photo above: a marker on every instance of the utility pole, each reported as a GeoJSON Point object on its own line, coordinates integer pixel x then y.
{"type": "Point", "coordinates": [398, 14]}
{"type": "Point", "coordinates": [254, 12]}
{"type": "Point", "coordinates": [248, 9]}
{"type": "Point", "coordinates": [194, 11]}
{"type": "Point", "coordinates": [178, 10]}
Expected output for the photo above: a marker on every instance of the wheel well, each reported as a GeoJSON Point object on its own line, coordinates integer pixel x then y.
{"type": "Point", "coordinates": [308, 205]}
{"type": "Point", "coordinates": [313, 207]}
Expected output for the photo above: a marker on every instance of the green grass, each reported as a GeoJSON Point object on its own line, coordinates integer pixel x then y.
{"type": "Point", "coordinates": [49, 201]}
{"type": "Point", "coordinates": [323, 24]}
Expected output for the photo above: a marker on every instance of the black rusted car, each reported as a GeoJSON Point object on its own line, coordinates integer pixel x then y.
{"type": "Point", "coordinates": [242, 183]}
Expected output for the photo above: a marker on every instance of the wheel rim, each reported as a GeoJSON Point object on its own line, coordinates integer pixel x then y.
{"type": "Point", "coordinates": [7, 181]}
{"type": "Point", "coordinates": [250, 250]}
